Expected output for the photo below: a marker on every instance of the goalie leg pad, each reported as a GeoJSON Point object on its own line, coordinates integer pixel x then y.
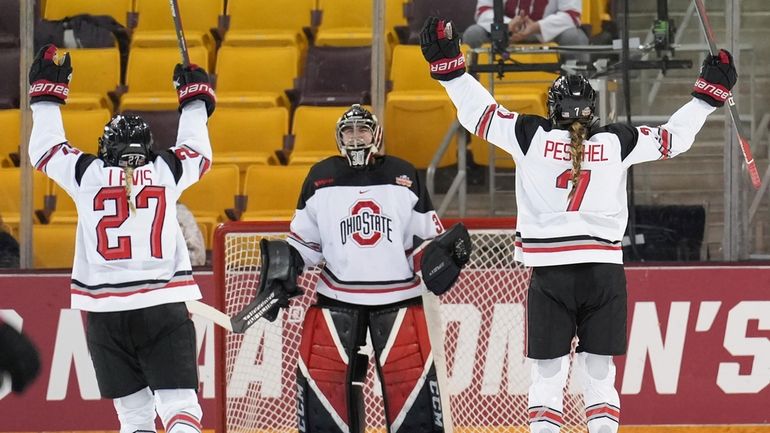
{"type": "Point", "coordinates": [136, 411]}
{"type": "Point", "coordinates": [179, 410]}
{"type": "Point", "coordinates": [444, 257]}
{"type": "Point", "coordinates": [601, 398]}
{"type": "Point", "coordinates": [546, 394]}
{"type": "Point", "coordinates": [405, 366]}
{"type": "Point", "coordinates": [329, 391]}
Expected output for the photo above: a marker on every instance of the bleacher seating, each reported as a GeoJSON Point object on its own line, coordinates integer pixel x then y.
{"type": "Point", "coordinates": [9, 84]}
{"type": "Point", "coordinates": [150, 75]}
{"type": "Point", "coordinates": [59, 9]}
{"type": "Point", "coordinates": [53, 245]}
{"type": "Point", "coordinates": [10, 136]}
{"type": "Point", "coordinates": [417, 111]}
{"type": "Point", "coordinates": [314, 129]}
{"type": "Point", "coordinates": [163, 125]}
{"type": "Point", "coordinates": [336, 76]}
{"type": "Point", "coordinates": [84, 127]}
{"type": "Point", "coordinates": [277, 22]}
{"type": "Point", "coordinates": [461, 12]}
{"type": "Point", "coordinates": [276, 199]}
{"type": "Point", "coordinates": [65, 212]}
{"type": "Point", "coordinates": [256, 76]}
{"type": "Point", "coordinates": [246, 136]}
{"type": "Point", "coordinates": [9, 23]}
{"type": "Point", "coordinates": [97, 73]}
{"type": "Point", "coordinates": [10, 193]}
{"type": "Point", "coordinates": [209, 198]}
{"type": "Point", "coordinates": [155, 27]}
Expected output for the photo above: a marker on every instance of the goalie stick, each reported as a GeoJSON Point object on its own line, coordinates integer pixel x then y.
{"type": "Point", "coordinates": [751, 166]}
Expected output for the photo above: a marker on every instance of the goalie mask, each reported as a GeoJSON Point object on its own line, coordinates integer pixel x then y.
{"type": "Point", "coordinates": [126, 141]}
{"type": "Point", "coordinates": [358, 136]}
{"type": "Point", "coordinates": [571, 99]}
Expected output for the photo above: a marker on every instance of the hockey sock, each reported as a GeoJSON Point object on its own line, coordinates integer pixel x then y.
{"type": "Point", "coordinates": [546, 394]}
{"type": "Point", "coordinates": [601, 398]}
{"type": "Point", "coordinates": [179, 410]}
{"type": "Point", "coordinates": [136, 412]}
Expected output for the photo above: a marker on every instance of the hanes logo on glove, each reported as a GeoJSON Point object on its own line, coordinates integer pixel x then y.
{"type": "Point", "coordinates": [192, 83]}
{"type": "Point", "coordinates": [49, 76]}
{"type": "Point", "coordinates": [441, 48]}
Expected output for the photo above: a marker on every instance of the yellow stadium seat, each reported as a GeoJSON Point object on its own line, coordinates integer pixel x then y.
{"type": "Point", "coordinates": [11, 135]}
{"type": "Point", "coordinates": [84, 127]}
{"type": "Point", "coordinates": [256, 76]}
{"type": "Point", "coordinates": [155, 27]}
{"type": "Point", "coordinates": [97, 72]}
{"type": "Point", "coordinates": [246, 136]}
{"type": "Point", "coordinates": [150, 76]}
{"type": "Point", "coordinates": [213, 194]}
{"type": "Point", "coordinates": [348, 23]}
{"type": "Point", "coordinates": [58, 9]}
{"type": "Point", "coordinates": [418, 111]}
{"type": "Point", "coordinates": [314, 132]}
{"type": "Point", "coordinates": [65, 212]}
{"type": "Point", "coordinates": [53, 245]}
{"type": "Point", "coordinates": [592, 14]}
{"type": "Point", "coordinates": [273, 191]}
{"type": "Point", "coordinates": [10, 193]}
{"type": "Point", "coordinates": [277, 22]}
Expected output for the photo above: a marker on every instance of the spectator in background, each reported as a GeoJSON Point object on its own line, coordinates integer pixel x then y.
{"type": "Point", "coordinates": [534, 21]}
{"type": "Point", "coordinates": [9, 247]}
{"type": "Point", "coordinates": [192, 235]}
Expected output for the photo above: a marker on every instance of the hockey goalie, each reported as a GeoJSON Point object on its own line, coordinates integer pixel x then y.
{"type": "Point", "coordinates": [364, 216]}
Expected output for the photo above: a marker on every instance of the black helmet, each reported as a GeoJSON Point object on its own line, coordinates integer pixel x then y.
{"type": "Point", "coordinates": [126, 141]}
{"type": "Point", "coordinates": [356, 122]}
{"type": "Point", "coordinates": [571, 99]}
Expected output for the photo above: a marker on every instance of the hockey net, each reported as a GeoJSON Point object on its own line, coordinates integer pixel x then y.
{"type": "Point", "coordinates": [484, 340]}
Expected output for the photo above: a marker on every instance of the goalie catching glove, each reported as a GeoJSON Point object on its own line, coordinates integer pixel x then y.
{"type": "Point", "coordinates": [444, 257]}
{"type": "Point", "coordinates": [441, 48]}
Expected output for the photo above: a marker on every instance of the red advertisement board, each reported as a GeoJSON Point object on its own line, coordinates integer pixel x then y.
{"type": "Point", "coordinates": [699, 351]}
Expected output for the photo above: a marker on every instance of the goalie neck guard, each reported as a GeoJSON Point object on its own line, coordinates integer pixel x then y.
{"type": "Point", "coordinates": [126, 141]}
{"type": "Point", "coordinates": [571, 99]}
{"type": "Point", "coordinates": [358, 136]}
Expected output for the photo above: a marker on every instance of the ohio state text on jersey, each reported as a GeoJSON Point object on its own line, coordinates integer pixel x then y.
{"type": "Point", "coordinates": [125, 260]}
{"type": "Point", "coordinates": [553, 229]}
{"type": "Point", "coordinates": [362, 223]}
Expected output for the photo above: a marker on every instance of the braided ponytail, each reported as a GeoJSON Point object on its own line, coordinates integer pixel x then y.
{"type": "Point", "coordinates": [577, 135]}
{"type": "Point", "coordinates": [129, 171]}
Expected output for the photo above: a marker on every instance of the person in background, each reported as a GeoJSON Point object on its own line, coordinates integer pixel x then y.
{"type": "Point", "coordinates": [196, 246]}
{"type": "Point", "coordinates": [9, 247]}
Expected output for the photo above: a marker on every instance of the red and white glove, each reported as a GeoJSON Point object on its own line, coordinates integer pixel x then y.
{"type": "Point", "coordinates": [441, 48]}
{"type": "Point", "coordinates": [49, 76]}
{"type": "Point", "coordinates": [192, 83]}
{"type": "Point", "coordinates": [717, 78]}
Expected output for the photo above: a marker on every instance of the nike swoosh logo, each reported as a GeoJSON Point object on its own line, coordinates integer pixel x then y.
{"type": "Point", "coordinates": [363, 191]}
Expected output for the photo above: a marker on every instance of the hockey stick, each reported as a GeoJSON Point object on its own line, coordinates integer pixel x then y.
{"type": "Point", "coordinates": [179, 32]}
{"type": "Point", "coordinates": [745, 148]}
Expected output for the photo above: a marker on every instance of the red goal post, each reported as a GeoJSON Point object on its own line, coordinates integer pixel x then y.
{"type": "Point", "coordinates": [483, 321]}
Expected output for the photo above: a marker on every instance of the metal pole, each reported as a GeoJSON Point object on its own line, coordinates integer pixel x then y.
{"type": "Point", "coordinates": [378, 59]}
{"type": "Point", "coordinates": [734, 234]}
{"type": "Point", "coordinates": [26, 29]}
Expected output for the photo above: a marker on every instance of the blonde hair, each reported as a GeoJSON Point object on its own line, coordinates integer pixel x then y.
{"type": "Point", "coordinates": [129, 171]}
{"type": "Point", "coordinates": [577, 135]}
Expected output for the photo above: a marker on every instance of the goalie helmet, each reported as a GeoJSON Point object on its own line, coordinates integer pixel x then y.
{"type": "Point", "coordinates": [126, 141]}
{"type": "Point", "coordinates": [571, 99]}
{"type": "Point", "coordinates": [358, 136]}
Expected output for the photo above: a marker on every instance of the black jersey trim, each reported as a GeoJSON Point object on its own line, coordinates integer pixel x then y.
{"type": "Point", "coordinates": [627, 135]}
{"type": "Point", "coordinates": [173, 163]}
{"type": "Point", "coordinates": [84, 161]}
{"type": "Point", "coordinates": [564, 239]}
{"type": "Point", "coordinates": [526, 127]}
{"type": "Point", "coordinates": [334, 278]}
{"type": "Point", "coordinates": [128, 283]}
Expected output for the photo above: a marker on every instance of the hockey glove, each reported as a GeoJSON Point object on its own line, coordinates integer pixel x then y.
{"type": "Point", "coordinates": [192, 83]}
{"type": "Point", "coordinates": [717, 78]}
{"type": "Point", "coordinates": [441, 48]}
{"type": "Point", "coordinates": [49, 76]}
{"type": "Point", "coordinates": [18, 356]}
{"type": "Point", "coordinates": [282, 266]}
{"type": "Point", "coordinates": [444, 258]}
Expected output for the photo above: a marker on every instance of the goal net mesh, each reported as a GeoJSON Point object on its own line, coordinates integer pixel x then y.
{"type": "Point", "coordinates": [483, 320]}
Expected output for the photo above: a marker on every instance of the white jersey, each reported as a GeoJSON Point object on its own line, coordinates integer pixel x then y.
{"type": "Point", "coordinates": [553, 229]}
{"type": "Point", "coordinates": [125, 260]}
{"type": "Point", "coordinates": [362, 223]}
{"type": "Point", "coordinates": [554, 16]}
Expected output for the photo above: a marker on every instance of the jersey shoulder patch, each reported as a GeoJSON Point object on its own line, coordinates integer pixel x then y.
{"type": "Point", "coordinates": [526, 128]}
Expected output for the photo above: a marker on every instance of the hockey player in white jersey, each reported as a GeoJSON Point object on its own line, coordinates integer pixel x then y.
{"type": "Point", "coordinates": [132, 271]}
{"type": "Point", "coordinates": [572, 213]}
{"type": "Point", "coordinates": [359, 214]}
